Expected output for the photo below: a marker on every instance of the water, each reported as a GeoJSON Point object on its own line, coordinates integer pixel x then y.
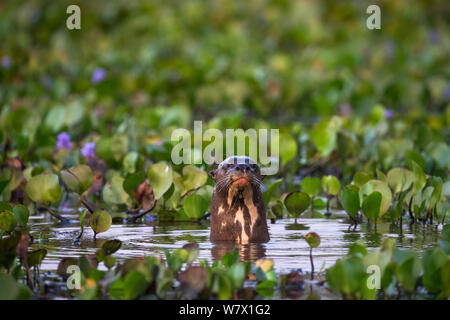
{"type": "Point", "coordinates": [287, 247]}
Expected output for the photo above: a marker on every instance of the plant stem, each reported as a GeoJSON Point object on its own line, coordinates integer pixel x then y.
{"type": "Point", "coordinates": [312, 263]}
{"type": "Point", "coordinates": [55, 215]}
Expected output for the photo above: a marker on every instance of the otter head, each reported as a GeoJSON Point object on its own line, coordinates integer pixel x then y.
{"type": "Point", "coordinates": [238, 172]}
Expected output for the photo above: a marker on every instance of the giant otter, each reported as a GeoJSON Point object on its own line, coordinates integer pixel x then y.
{"type": "Point", "coordinates": [237, 207]}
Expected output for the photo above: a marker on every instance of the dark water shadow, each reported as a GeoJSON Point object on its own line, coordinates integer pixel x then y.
{"type": "Point", "coordinates": [247, 252]}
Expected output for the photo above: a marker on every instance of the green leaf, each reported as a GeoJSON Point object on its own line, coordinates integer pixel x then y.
{"type": "Point", "coordinates": [135, 284]}
{"type": "Point", "coordinates": [111, 246]}
{"type": "Point", "coordinates": [371, 206]}
{"type": "Point", "coordinates": [420, 179]}
{"type": "Point", "coordinates": [79, 178]}
{"type": "Point", "coordinates": [130, 162]}
{"type": "Point", "coordinates": [433, 260]}
{"type": "Point", "coordinates": [324, 135]}
{"type": "Point", "coordinates": [400, 179]}
{"type": "Point", "coordinates": [44, 188]}
{"type": "Point", "coordinates": [312, 186]}
{"type": "Point", "coordinates": [193, 178]}
{"type": "Point", "coordinates": [313, 239]}
{"type": "Point", "coordinates": [7, 221]}
{"type": "Point", "coordinates": [22, 214]}
{"type": "Point", "coordinates": [270, 191]}
{"type": "Point", "coordinates": [350, 201]}
{"type": "Point", "coordinates": [113, 192]}
{"type": "Point", "coordinates": [195, 206]}
{"type": "Point", "coordinates": [100, 221]}
{"type": "Point", "coordinates": [266, 288]}
{"type": "Point", "coordinates": [35, 257]}
{"type": "Point", "coordinates": [288, 148]}
{"type": "Point", "coordinates": [132, 181]}
{"type": "Point", "coordinates": [380, 186]}
{"type": "Point", "coordinates": [331, 185]}
{"type": "Point", "coordinates": [160, 177]}
{"type": "Point", "coordinates": [297, 202]}
{"type": "Point", "coordinates": [361, 178]}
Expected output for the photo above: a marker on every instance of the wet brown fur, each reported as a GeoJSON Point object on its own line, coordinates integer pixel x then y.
{"type": "Point", "coordinates": [238, 212]}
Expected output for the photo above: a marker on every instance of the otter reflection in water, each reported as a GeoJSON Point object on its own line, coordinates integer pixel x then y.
{"type": "Point", "coordinates": [237, 206]}
{"type": "Point", "coordinates": [247, 251]}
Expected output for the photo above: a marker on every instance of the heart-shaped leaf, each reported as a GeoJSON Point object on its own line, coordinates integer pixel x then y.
{"type": "Point", "coordinates": [193, 178]}
{"type": "Point", "coordinates": [100, 221]}
{"type": "Point", "coordinates": [380, 186]}
{"type": "Point", "coordinates": [113, 192]}
{"type": "Point", "coordinates": [313, 239]}
{"type": "Point", "coordinates": [160, 177]}
{"type": "Point", "coordinates": [371, 206]}
{"type": "Point", "coordinates": [350, 201]}
{"type": "Point", "coordinates": [312, 186]}
{"type": "Point", "coordinates": [22, 214]}
{"type": "Point", "coordinates": [331, 185]}
{"type": "Point", "coordinates": [195, 206]}
{"type": "Point", "coordinates": [297, 202]}
{"type": "Point", "coordinates": [111, 246]}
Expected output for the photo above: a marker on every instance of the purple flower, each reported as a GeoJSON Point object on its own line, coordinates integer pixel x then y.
{"type": "Point", "coordinates": [88, 150]}
{"type": "Point", "coordinates": [64, 141]}
{"type": "Point", "coordinates": [389, 49]}
{"type": "Point", "coordinates": [6, 62]}
{"type": "Point", "coordinates": [388, 114]}
{"type": "Point", "coordinates": [447, 93]}
{"type": "Point", "coordinates": [434, 36]}
{"type": "Point", "coordinates": [149, 218]}
{"type": "Point", "coordinates": [98, 75]}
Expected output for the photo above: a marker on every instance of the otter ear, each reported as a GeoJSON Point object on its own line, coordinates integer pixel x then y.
{"type": "Point", "coordinates": [212, 174]}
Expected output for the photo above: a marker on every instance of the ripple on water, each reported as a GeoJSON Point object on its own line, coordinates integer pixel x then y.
{"type": "Point", "coordinates": [287, 246]}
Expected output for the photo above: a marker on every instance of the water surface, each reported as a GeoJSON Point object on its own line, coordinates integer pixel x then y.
{"type": "Point", "coordinates": [287, 246]}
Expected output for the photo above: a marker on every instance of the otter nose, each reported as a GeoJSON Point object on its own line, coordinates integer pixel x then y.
{"type": "Point", "coordinates": [243, 167]}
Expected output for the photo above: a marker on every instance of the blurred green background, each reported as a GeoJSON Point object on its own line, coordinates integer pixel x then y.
{"type": "Point", "coordinates": [142, 68]}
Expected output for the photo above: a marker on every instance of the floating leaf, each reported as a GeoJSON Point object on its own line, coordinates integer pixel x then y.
{"type": "Point", "coordinates": [22, 214]}
{"type": "Point", "coordinates": [7, 221]}
{"type": "Point", "coordinates": [380, 186]}
{"type": "Point", "coordinates": [133, 181]}
{"type": "Point", "coordinates": [111, 246]}
{"type": "Point", "coordinates": [312, 186]}
{"type": "Point", "coordinates": [331, 185]}
{"type": "Point", "coordinates": [79, 179]}
{"type": "Point", "coordinates": [44, 188]}
{"type": "Point", "coordinates": [400, 179]}
{"type": "Point", "coordinates": [297, 202]}
{"type": "Point", "coordinates": [100, 221]}
{"type": "Point", "coordinates": [371, 206]}
{"type": "Point", "coordinates": [160, 177]}
{"type": "Point", "coordinates": [193, 178]}
{"type": "Point", "coordinates": [313, 239]}
{"type": "Point", "coordinates": [113, 192]}
{"type": "Point", "coordinates": [350, 201]}
{"type": "Point", "coordinates": [195, 206]}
